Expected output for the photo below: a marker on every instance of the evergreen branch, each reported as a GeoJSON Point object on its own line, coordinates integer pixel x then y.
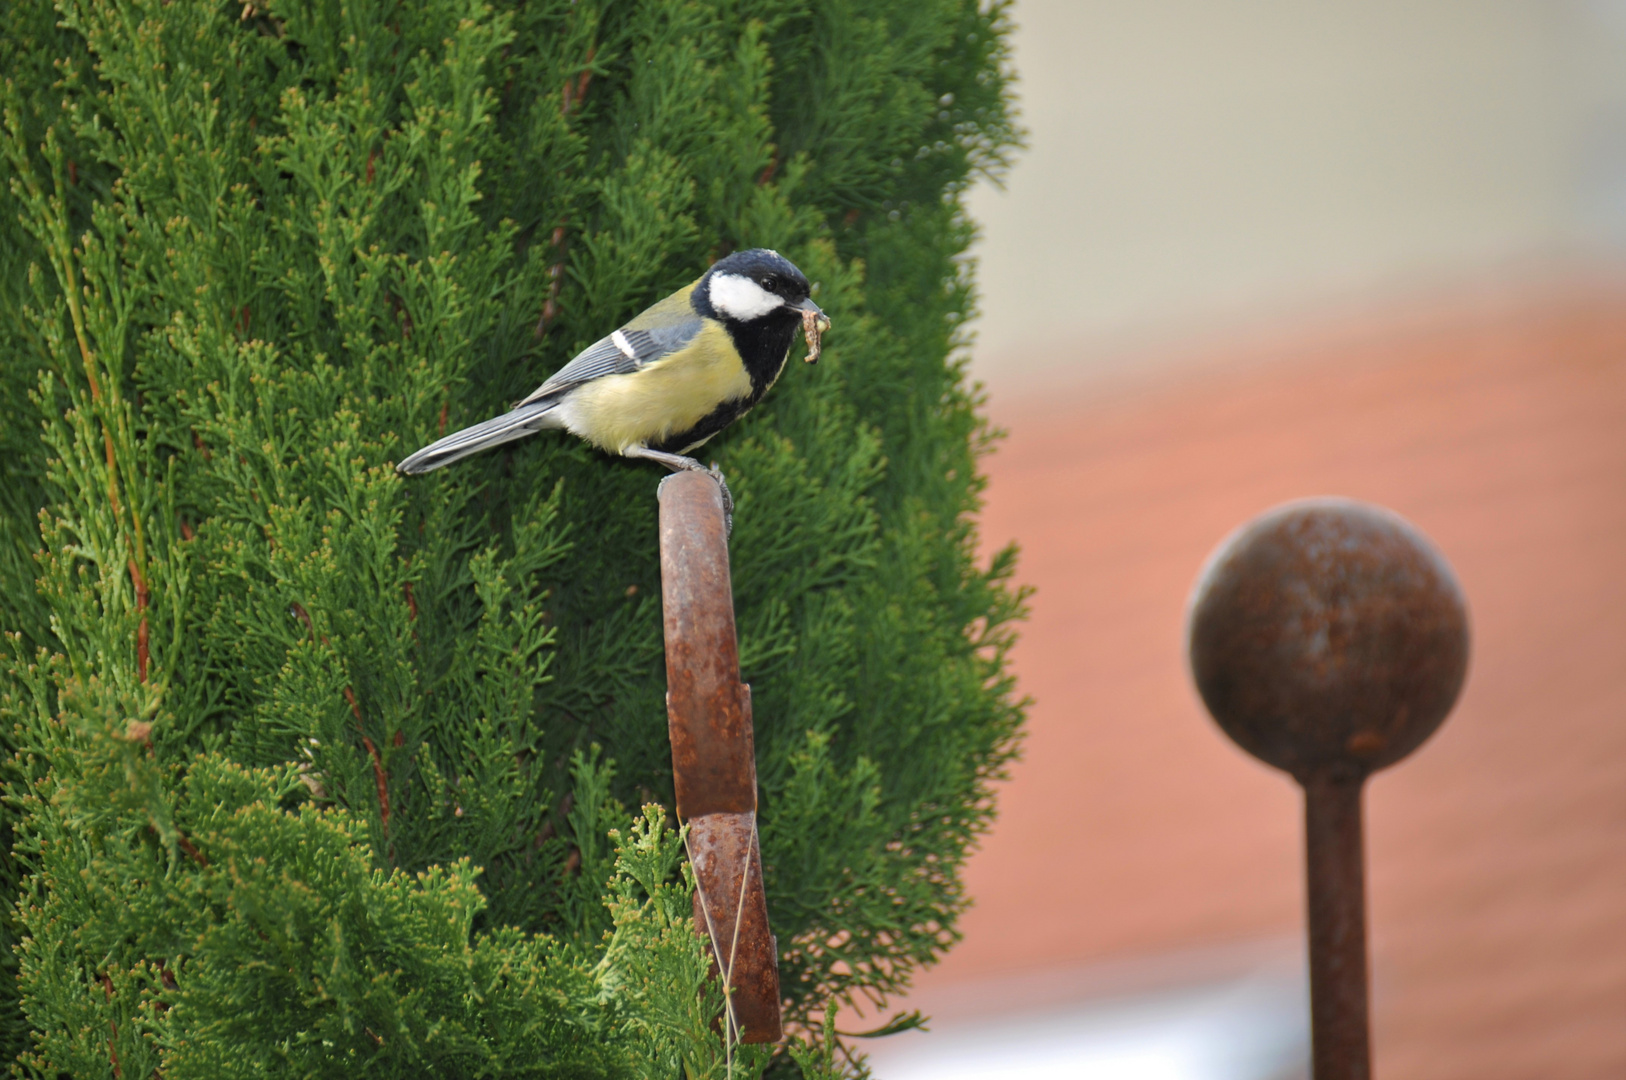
{"type": "Point", "coordinates": [51, 219]}
{"type": "Point", "coordinates": [901, 1022]}
{"type": "Point", "coordinates": [380, 777]}
{"type": "Point", "coordinates": [311, 234]}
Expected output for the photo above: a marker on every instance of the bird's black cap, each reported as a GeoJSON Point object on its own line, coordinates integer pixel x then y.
{"type": "Point", "coordinates": [768, 269]}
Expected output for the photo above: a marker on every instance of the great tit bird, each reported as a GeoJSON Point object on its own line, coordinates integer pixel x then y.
{"type": "Point", "coordinates": [670, 379]}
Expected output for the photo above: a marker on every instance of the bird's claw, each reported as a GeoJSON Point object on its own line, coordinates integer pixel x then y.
{"type": "Point", "coordinates": [728, 500]}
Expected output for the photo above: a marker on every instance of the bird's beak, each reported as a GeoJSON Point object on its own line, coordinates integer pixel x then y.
{"type": "Point", "coordinates": [814, 323]}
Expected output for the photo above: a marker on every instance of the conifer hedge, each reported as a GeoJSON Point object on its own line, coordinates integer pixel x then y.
{"type": "Point", "coordinates": [319, 772]}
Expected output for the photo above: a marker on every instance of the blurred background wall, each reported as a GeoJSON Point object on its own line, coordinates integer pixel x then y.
{"type": "Point", "coordinates": [1195, 166]}
{"type": "Point", "coordinates": [1261, 250]}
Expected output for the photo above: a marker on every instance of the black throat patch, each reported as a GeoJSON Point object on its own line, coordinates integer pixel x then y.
{"type": "Point", "coordinates": [764, 346]}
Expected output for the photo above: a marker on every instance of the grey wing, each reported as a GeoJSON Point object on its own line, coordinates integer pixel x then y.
{"type": "Point", "coordinates": [626, 350]}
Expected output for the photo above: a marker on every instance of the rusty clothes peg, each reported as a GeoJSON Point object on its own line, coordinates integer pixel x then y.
{"type": "Point", "coordinates": [708, 710]}
{"type": "Point", "coordinates": [1329, 638]}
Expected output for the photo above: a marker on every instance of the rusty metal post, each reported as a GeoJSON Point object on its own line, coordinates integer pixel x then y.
{"type": "Point", "coordinates": [713, 755]}
{"type": "Point", "coordinates": [1329, 638]}
{"type": "Point", "coordinates": [1335, 866]}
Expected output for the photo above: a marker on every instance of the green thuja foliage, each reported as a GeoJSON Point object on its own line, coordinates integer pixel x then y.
{"type": "Point", "coordinates": [314, 771]}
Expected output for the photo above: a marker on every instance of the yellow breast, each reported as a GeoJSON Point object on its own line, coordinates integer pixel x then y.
{"type": "Point", "coordinates": [672, 395]}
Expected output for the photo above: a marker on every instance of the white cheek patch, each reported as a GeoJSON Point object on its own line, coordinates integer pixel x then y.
{"type": "Point", "coordinates": [740, 297]}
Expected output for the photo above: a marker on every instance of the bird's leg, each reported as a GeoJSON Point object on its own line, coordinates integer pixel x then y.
{"type": "Point", "coordinates": [675, 462]}
{"type": "Point", "coordinates": [679, 463]}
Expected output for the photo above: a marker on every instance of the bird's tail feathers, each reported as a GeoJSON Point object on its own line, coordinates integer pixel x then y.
{"type": "Point", "coordinates": [523, 421]}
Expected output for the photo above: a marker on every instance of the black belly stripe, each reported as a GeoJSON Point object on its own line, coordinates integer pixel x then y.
{"type": "Point", "coordinates": [719, 418]}
{"type": "Point", "coordinates": [764, 346]}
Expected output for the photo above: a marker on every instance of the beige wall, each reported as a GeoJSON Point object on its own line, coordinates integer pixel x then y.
{"type": "Point", "coordinates": [1193, 164]}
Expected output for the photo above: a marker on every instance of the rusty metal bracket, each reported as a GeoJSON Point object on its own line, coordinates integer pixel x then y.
{"type": "Point", "coordinates": [1329, 638]}
{"type": "Point", "coordinates": [708, 710]}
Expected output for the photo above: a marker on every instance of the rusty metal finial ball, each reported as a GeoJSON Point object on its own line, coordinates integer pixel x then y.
{"type": "Point", "coordinates": [1328, 636]}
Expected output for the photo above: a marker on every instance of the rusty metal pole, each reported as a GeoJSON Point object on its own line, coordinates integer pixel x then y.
{"type": "Point", "coordinates": [1335, 869]}
{"type": "Point", "coordinates": [1329, 638]}
{"type": "Point", "coordinates": [713, 756]}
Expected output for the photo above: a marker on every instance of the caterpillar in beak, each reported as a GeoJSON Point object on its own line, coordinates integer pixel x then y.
{"type": "Point", "coordinates": [814, 324]}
